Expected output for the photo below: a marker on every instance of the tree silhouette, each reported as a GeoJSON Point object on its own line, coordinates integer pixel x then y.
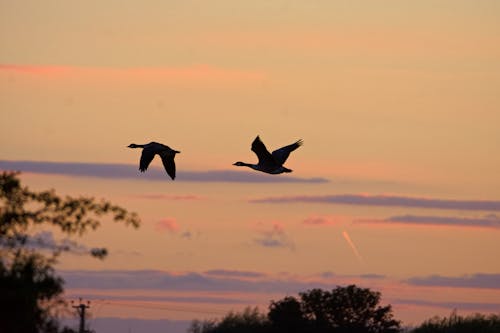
{"type": "Point", "coordinates": [342, 310]}
{"type": "Point", "coordinates": [248, 321]}
{"type": "Point", "coordinates": [31, 290]}
{"type": "Point", "coordinates": [458, 324]}
{"type": "Point", "coordinates": [286, 316]}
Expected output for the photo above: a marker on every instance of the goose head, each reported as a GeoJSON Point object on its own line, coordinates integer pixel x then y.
{"type": "Point", "coordinates": [240, 164]}
{"type": "Point", "coordinates": [133, 145]}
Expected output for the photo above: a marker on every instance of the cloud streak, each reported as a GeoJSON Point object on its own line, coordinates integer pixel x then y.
{"type": "Point", "coordinates": [483, 281]}
{"type": "Point", "coordinates": [213, 281]}
{"type": "Point", "coordinates": [464, 306]}
{"type": "Point", "coordinates": [387, 201]}
{"type": "Point", "coordinates": [317, 220]}
{"type": "Point", "coordinates": [488, 221]}
{"type": "Point", "coordinates": [234, 273]}
{"type": "Point", "coordinates": [219, 280]}
{"type": "Point", "coordinates": [194, 73]}
{"type": "Point", "coordinates": [125, 171]}
{"type": "Point", "coordinates": [353, 247]}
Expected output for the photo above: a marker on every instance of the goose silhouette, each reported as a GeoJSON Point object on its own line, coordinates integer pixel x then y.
{"type": "Point", "coordinates": [270, 163]}
{"type": "Point", "coordinates": [151, 149]}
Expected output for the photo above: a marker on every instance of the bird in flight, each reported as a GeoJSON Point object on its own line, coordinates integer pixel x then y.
{"type": "Point", "coordinates": [270, 162]}
{"type": "Point", "coordinates": [149, 151]}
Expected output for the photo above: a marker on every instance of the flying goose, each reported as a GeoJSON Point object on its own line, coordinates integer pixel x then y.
{"type": "Point", "coordinates": [270, 163]}
{"type": "Point", "coordinates": [149, 151]}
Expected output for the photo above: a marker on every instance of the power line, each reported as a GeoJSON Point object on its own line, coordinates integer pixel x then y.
{"type": "Point", "coordinates": [80, 308]}
{"type": "Point", "coordinates": [153, 306]}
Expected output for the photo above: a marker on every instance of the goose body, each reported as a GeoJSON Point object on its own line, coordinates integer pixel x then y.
{"type": "Point", "coordinates": [271, 163]}
{"type": "Point", "coordinates": [151, 149]}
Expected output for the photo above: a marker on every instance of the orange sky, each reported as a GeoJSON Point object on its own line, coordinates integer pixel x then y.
{"type": "Point", "coordinates": [397, 100]}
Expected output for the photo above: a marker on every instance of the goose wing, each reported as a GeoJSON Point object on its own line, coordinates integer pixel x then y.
{"type": "Point", "coordinates": [265, 157]}
{"type": "Point", "coordinates": [167, 159]}
{"type": "Point", "coordinates": [281, 155]}
{"type": "Point", "coordinates": [146, 158]}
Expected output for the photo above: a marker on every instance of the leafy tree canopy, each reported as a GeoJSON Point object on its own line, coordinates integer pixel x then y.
{"type": "Point", "coordinates": [31, 290]}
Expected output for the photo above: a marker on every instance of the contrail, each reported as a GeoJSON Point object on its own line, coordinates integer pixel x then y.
{"type": "Point", "coordinates": [351, 244]}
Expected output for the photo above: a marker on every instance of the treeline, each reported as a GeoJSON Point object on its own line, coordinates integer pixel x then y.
{"type": "Point", "coordinates": [457, 324]}
{"type": "Point", "coordinates": [343, 310]}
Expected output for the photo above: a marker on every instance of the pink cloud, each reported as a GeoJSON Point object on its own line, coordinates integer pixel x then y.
{"type": "Point", "coordinates": [383, 200]}
{"type": "Point", "coordinates": [168, 224]}
{"type": "Point", "coordinates": [192, 73]}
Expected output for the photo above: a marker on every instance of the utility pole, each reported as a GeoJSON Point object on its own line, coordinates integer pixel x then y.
{"type": "Point", "coordinates": [80, 308]}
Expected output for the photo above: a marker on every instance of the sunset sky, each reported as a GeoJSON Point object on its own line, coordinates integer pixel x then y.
{"type": "Point", "coordinates": [396, 188]}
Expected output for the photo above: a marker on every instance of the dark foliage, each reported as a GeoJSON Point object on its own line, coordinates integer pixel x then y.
{"type": "Point", "coordinates": [29, 287]}
{"type": "Point", "coordinates": [286, 315]}
{"type": "Point", "coordinates": [342, 310]}
{"type": "Point", "coordinates": [477, 323]}
{"type": "Point", "coordinates": [249, 321]}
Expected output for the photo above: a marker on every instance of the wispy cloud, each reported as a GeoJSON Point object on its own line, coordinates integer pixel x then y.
{"type": "Point", "coordinates": [187, 235]}
{"type": "Point", "coordinates": [201, 72]}
{"type": "Point", "coordinates": [317, 220]}
{"type": "Point", "coordinates": [487, 221]}
{"type": "Point", "coordinates": [249, 281]}
{"type": "Point", "coordinates": [188, 281]}
{"type": "Point", "coordinates": [387, 201]}
{"type": "Point", "coordinates": [368, 276]}
{"type": "Point", "coordinates": [464, 306]}
{"type": "Point", "coordinates": [273, 236]}
{"type": "Point", "coordinates": [167, 224]}
{"type": "Point", "coordinates": [216, 280]}
{"type": "Point", "coordinates": [490, 281]}
{"type": "Point", "coordinates": [125, 171]}
{"type": "Point", "coordinates": [323, 220]}
{"type": "Point", "coordinates": [234, 273]}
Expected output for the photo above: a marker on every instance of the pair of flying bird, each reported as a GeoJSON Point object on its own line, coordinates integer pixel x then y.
{"type": "Point", "coordinates": [268, 162]}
